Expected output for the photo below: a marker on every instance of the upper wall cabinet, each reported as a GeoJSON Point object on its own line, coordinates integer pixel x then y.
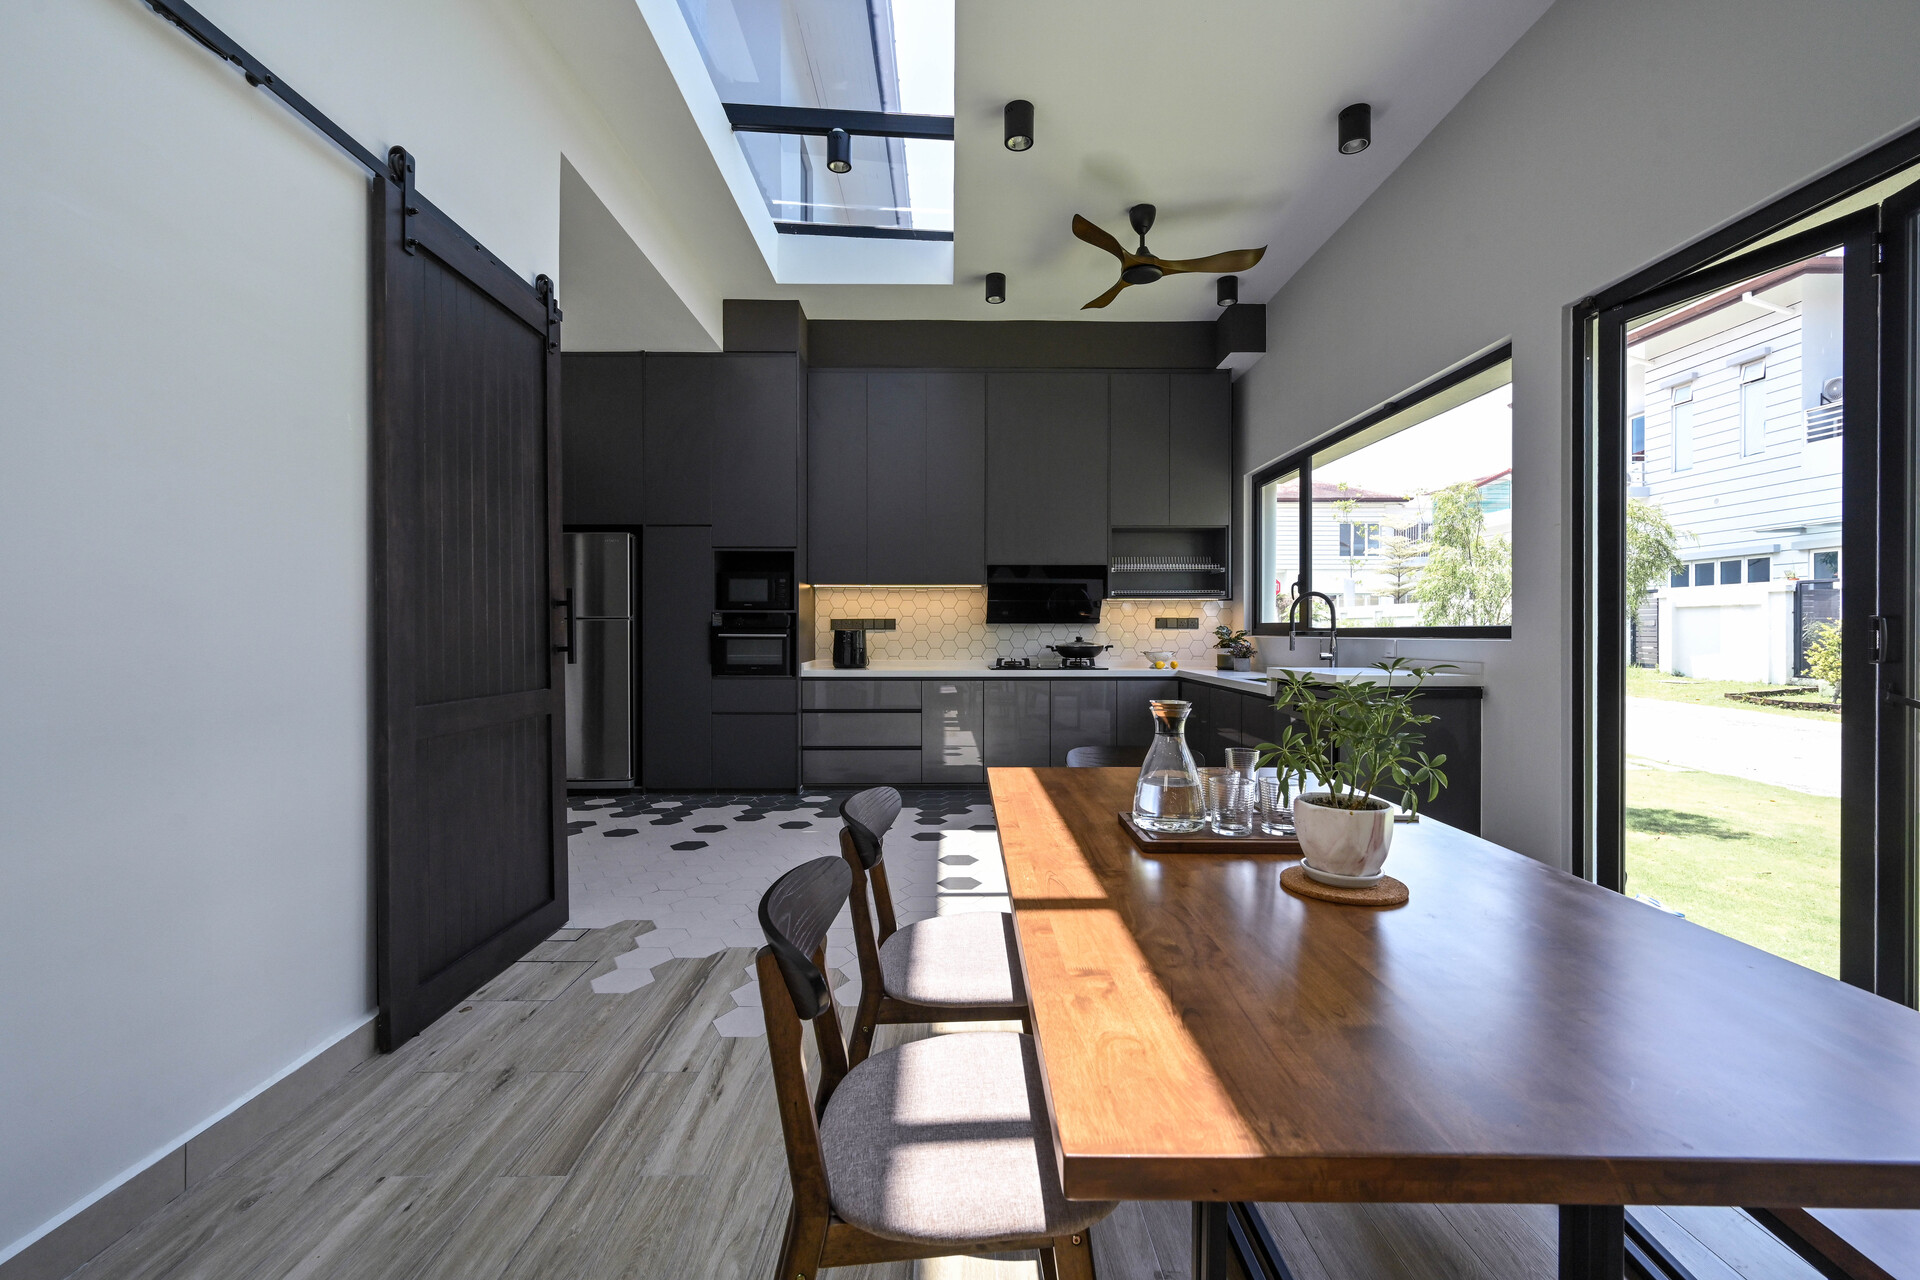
{"type": "Point", "coordinates": [1172, 449]}
{"type": "Point", "coordinates": [1047, 468]}
{"type": "Point", "coordinates": [722, 445]}
{"type": "Point", "coordinates": [600, 397]}
{"type": "Point", "coordinates": [896, 476]}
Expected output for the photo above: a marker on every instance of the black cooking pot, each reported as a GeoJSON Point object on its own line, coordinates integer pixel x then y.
{"type": "Point", "coordinates": [1079, 648]}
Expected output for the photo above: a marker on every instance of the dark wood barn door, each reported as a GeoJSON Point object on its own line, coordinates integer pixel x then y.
{"type": "Point", "coordinates": [470, 622]}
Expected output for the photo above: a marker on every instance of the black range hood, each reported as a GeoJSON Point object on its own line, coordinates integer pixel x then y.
{"type": "Point", "coordinates": [1038, 593]}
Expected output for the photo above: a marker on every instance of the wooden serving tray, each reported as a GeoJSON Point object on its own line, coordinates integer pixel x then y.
{"type": "Point", "coordinates": [1205, 841]}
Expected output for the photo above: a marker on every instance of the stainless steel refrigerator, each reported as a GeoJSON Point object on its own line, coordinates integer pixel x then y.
{"type": "Point", "coordinates": [600, 736]}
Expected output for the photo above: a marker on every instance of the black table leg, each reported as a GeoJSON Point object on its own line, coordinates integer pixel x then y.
{"type": "Point", "coordinates": [1212, 1240]}
{"type": "Point", "coordinates": [1593, 1241]}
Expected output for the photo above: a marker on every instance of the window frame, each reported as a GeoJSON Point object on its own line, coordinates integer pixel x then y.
{"type": "Point", "coordinates": [1300, 461]}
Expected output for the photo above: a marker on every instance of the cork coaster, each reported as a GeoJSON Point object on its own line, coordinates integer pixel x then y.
{"type": "Point", "coordinates": [1388, 893]}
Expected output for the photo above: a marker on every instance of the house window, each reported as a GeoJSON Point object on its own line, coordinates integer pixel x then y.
{"type": "Point", "coordinates": [1703, 574]}
{"type": "Point", "coordinates": [1760, 570]}
{"type": "Point", "coordinates": [1753, 408]}
{"type": "Point", "coordinates": [1678, 577]}
{"type": "Point", "coordinates": [1729, 572]}
{"type": "Point", "coordinates": [1404, 517]}
{"type": "Point", "coordinates": [1683, 427]}
{"type": "Point", "coordinates": [1637, 433]}
{"type": "Point", "coordinates": [1826, 565]}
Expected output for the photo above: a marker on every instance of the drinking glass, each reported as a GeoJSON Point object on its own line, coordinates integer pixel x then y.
{"type": "Point", "coordinates": [1230, 803]}
{"type": "Point", "coordinates": [1207, 773]}
{"type": "Point", "coordinates": [1276, 807]}
{"type": "Point", "coordinates": [1242, 760]}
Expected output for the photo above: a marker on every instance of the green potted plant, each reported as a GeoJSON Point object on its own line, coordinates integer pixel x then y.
{"type": "Point", "coordinates": [1236, 649]}
{"type": "Point", "coordinates": [1353, 740]}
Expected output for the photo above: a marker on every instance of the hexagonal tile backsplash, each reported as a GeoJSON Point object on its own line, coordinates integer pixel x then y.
{"type": "Point", "coordinates": [949, 622]}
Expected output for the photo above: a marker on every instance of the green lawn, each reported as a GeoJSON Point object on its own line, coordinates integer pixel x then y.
{"type": "Point", "coordinates": [1645, 683]}
{"type": "Point", "coordinates": [1759, 863]}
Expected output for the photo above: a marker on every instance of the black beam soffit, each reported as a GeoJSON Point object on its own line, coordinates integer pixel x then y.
{"type": "Point", "coordinates": [750, 117]}
{"type": "Point", "coordinates": [757, 324]}
{"type": "Point", "coordinates": [853, 231]}
{"type": "Point", "coordinates": [1011, 344]}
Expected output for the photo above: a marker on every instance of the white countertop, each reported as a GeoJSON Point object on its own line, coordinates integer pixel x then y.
{"type": "Point", "coordinates": [960, 669]}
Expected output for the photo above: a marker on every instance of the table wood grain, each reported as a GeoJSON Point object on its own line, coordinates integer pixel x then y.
{"type": "Point", "coordinates": [1512, 1035]}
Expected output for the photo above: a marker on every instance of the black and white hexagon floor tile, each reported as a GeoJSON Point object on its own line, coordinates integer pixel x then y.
{"type": "Point", "coordinates": [696, 865]}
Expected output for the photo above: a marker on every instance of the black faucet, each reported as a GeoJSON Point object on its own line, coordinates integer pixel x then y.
{"type": "Point", "coordinates": [1333, 623]}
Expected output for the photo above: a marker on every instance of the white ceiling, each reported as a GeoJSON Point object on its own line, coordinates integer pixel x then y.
{"type": "Point", "coordinates": [1221, 113]}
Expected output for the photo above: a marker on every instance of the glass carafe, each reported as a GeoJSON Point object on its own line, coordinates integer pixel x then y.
{"type": "Point", "coordinates": [1168, 797]}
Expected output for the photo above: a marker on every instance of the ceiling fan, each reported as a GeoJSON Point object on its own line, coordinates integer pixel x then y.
{"type": "Point", "coordinates": [1141, 267]}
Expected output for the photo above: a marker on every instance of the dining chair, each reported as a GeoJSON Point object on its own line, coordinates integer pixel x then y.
{"type": "Point", "coordinates": [1104, 757]}
{"type": "Point", "coordinates": [938, 1147]}
{"type": "Point", "coordinates": [961, 968]}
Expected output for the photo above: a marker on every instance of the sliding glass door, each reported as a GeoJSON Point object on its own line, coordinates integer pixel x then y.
{"type": "Point", "coordinates": [1750, 734]}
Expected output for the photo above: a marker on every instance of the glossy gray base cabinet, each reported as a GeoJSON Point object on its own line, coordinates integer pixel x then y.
{"type": "Point", "coordinates": [860, 768]}
{"type": "Point", "coordinates": [1019, 723]}
{"type": "Point", "coordinates": [953, 733]}
{"type": "Point", "coordinates": [1082, 713]}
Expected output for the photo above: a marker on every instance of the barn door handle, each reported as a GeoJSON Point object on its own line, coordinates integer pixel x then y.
{"type": "Point", "coordinates": [566, 602]}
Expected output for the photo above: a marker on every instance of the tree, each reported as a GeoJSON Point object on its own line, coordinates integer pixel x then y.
{"type": "Point", "coordinates": [1652, 550]}
{"type": "Point", "coordinates": [1397, 556]}
{"type": "Point", "coordinates": [1468, 581]}
{"type": "Point", "coordinates": [1823, 654]}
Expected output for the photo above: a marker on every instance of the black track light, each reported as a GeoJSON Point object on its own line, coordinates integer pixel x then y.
{"type": "Point", "coordinates": [996, 287]}
{"type": "Point", "coordinates": [840, 150]}
{"type": "Point", "coordinates": [1226, 290]}
{"type": "Point", "coordinates": [1356, 128]}
{"type": "Point", "coordinates": [1019, 135]}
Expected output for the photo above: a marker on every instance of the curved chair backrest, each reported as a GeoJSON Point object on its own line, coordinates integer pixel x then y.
{"type": "Point", "coordinates": [1105, 757]}
{"type": "Point", "coordinates": [795, 912]}
{"type": "Point", "coordinates": [869, 815]}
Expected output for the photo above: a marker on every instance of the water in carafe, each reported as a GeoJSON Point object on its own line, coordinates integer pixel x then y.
{"type": "Point", "coordinates": [1168, 796]}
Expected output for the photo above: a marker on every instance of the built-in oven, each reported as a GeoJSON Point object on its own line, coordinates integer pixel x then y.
{"type": "Point", "coordinates": [753, 644]}
{"type": "Point", "coordinates": [757, 580]}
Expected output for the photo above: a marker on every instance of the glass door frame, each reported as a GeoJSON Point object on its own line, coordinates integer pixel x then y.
{"type": "Point", "coordinates": [1876, 926]}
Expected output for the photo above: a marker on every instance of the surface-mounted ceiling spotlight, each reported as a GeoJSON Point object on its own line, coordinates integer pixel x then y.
{"type": "Point", "coordinates": [1356, 128]}
{"type": "Point", "coordinates": [1226, 290]}
{"type": "Point", "coordinates": [840, 150]}
{"type": "Point", "coordinates": [1019, 134]}
{"type": "Point", "coordinates": [996, 287]}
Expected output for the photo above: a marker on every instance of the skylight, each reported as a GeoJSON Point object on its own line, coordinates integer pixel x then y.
{"type": "Point", "coordinates": [836, 61]}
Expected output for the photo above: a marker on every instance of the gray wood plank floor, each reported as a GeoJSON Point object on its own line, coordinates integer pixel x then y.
{"type": "Point", "coordinates": [543, 1130]}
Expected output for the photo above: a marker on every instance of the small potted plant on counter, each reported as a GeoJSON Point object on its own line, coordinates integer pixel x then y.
{"type": "Point", "coordinates": [1353, 740]}
{"type": "Point", "coordinates": [1236, 649]}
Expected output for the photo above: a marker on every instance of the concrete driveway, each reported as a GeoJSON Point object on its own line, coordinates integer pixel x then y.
{"type": "Point", "coordinates": [1782, 751]}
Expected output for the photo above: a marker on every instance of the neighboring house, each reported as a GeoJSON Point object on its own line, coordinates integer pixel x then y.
{"type": "Point", "coordinates": [1735, 405]}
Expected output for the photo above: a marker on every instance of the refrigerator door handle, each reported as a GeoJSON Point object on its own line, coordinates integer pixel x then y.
{"type": "Point", "coordinates": [569, 648]}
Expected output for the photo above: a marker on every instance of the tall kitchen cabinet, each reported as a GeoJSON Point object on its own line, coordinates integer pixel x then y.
{"type": "Point", "coordinates": [1172, 450]}
{"type": "Point", "coordinates": [676, 681]}
{"type": "Point", "coordinates": [721, 438]}
{"type": "Point", "coordinates": [896, 476]}
{"type": "Point", "coordinates": [1047, 467]}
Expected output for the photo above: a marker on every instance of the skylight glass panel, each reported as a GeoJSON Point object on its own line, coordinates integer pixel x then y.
{"type": "Point", "coordinates": [893, 56]}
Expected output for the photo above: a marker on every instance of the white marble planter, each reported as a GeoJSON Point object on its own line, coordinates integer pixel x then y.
{"type": "Point", "coordinates": [1350, 844]}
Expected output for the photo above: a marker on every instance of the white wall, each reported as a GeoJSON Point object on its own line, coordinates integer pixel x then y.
{"type": "Point", "coordinates": [184, 876]}
{"type": "Point", "coordinates": [1613, 133]}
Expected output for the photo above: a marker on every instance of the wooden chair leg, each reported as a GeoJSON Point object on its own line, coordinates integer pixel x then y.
{"type": "Point", "coordinates": [800, 1254]}
{"type": "Point", "coordinates": [1072, 1258]}
{"type": "Point", "coordinates": [865, 1015]}
{"type": "Point", "coordinates": [1047, 1270]}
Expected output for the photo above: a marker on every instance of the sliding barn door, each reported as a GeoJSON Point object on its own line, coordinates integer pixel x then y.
{"type": "Point", "coordinates": [470, 622]}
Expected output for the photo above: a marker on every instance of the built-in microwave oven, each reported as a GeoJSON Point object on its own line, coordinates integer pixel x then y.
{"type": "Point", "coordinates": [753, 580]}
{"type": "Point", "coordinates": [753, 644]}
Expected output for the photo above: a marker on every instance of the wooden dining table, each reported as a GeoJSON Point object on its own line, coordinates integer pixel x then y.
{"type": "Point", "coordinates": [1513, 1034]}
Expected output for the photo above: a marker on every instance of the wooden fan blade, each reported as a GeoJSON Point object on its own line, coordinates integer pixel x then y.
{"type": "Point", "coordinates": [1106, 297]}
{"type": "Point", "coordinates": [1230, 261]}
{"type": "Point", "coordinates": [1098, 238]}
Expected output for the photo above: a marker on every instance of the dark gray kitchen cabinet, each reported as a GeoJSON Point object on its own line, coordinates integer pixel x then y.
{"type": "Point", "coordinates": [676, 419]}
{"type": "Point", "coordinates": [846, 693]}
{"type": "Point", "coordinates": [1200, 457]}
{"type": "Point", "coordinates": [676, 678]}
{"type": "Point", "coordinates": [952, 517]}
{"type": "Point", "coordinates": [1454, 733]}
{"type": "Point", "coordinates": [1019, 722]}
{"type": "Point", "coordinates": [953, 733]}
{"type": "Point", "coordinates": [1083, 712]}
{"type": "Point", "coordinates": [1133, 718]}
{"type": "Point", "coordinates": [721, 435]}
{"type": "Point", "coordinates": [1202, 739]}
{"type": "Point", "coordinates": [1172, 450]}
{"type": "Point", "coordinates": [1046, 468]}
{"type": "Point", "coordinates": [600, 450]}
{"type": "Point", "coordinates": [755, 752]}
{"type": "Point", "coordinates": [837, 476]}
{"type": "Point", "coordinates": [753, 441]}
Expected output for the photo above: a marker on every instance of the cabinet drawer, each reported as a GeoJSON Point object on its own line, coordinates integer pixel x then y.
{"type": "Point", "coordinates": [860, 768]}
{"type": "Point", "coordinates": [749, 694]}
{"type": "Point", "coordinates": [860, 729]}
{"type": "Point", "coordinates": [860, 695]}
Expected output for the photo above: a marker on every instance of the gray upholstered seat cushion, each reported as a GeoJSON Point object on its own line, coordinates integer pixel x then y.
{"type": "Point", "coordinates": [955, 960]}
{"type": "Point", "coordinates": [945, 1140]}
